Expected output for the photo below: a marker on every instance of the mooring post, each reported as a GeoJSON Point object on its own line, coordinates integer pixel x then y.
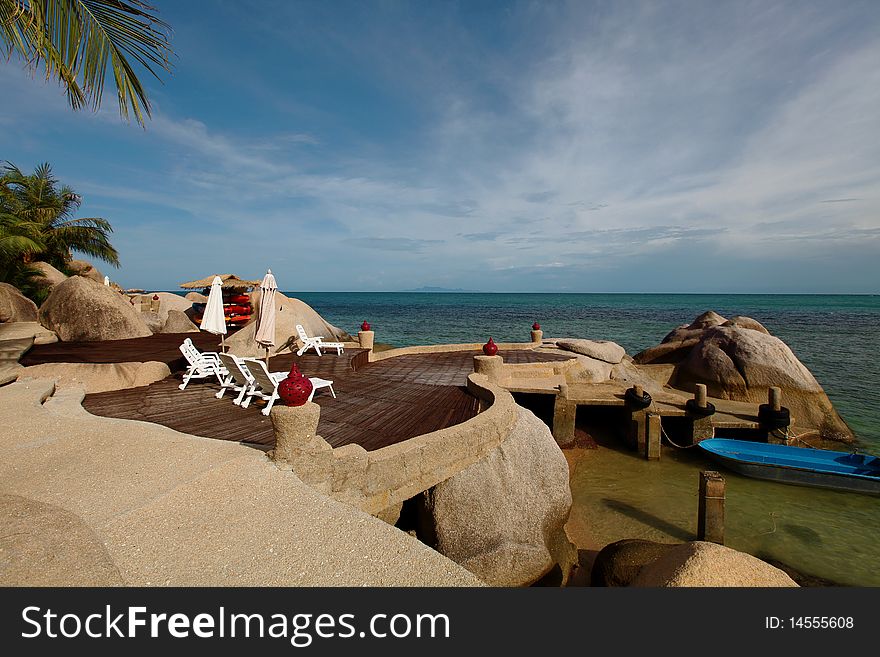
{"type": "Point", "coordinates": [700, 412]}
{"type": "Point", "coordinates": [564, 416]}
{"type": "Point", "coordinates": [652, 436]}
{"type": "Point", "coordinates": [700, 395]}
{"type": "Point", "coordinates": [637, 430]}
{"type": "Point", "coordinates": [774, 398]}
{"type": "Point", "coordinates": [773, 419]}
{"type": "Point", "coordinates": [710, 518]}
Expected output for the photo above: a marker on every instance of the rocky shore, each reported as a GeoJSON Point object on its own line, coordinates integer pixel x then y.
{"type": "Point", "coordinates": [500, 520]}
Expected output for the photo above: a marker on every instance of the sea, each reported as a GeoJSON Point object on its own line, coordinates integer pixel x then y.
{"type": "Point", "coordinates": [825, 534]}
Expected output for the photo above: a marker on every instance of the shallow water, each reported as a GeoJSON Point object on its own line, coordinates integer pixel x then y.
{"type": "Point", "coordinates": [824, 533]}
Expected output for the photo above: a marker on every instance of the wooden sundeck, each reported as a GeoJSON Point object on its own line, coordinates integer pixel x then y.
{"type": "Point", "coordinates": [377, 404]}
{"type": "Point", "coordinates": [162, 347]}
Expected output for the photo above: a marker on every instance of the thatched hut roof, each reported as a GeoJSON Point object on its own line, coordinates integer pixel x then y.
{"type": "Point", "coordinates": [230, 281]}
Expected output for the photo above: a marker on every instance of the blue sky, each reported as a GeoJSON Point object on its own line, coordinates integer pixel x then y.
{"type": "Point", "coordinates": [517, 146]}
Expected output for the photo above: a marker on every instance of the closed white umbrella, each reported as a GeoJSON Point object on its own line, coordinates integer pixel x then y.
{"type": "Point", "coordinates": [265, 334]}
{"type": "Point", "coordinates": [106, 280]}
{"type": "Point", "coordinates": [213, 320]}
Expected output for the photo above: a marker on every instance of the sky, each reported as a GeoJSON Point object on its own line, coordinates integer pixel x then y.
{"type": "Point", "coordinates": [715, 147]}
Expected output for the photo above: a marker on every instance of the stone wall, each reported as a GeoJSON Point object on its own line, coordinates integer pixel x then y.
{"type": "Point", "coordinates": [384, 478]}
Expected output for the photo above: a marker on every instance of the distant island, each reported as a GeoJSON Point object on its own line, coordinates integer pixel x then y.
{"type": "Point", "coordinates": [429, 288]}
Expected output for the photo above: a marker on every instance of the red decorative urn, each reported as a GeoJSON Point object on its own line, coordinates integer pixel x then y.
{"type": "Point", "coordinates": [155, 297]}
{"type": "Point", "coordinates": [490, 348]}
{"type": "Point", "coordinates": [536, 326]}
{"type": "Point", "coordinates": [365, 326]}
{"type": "Point", "coordinates": [295, 389]}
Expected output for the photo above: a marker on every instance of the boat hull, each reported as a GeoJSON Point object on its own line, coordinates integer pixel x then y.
{"type": "Point", "coordinates": [856, 475]}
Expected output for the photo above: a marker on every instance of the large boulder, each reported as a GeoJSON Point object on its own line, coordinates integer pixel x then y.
{"type": "Point", "coordinates": [742, 364]}
{"type": "Point", "coordinates": [602, 350]}
{"type": "Point", "coordinates": [678, 342]}
{"type": "Point", "coordinates": [48, 276]}
{"type": "Point", "coordinates": [178, 322]}
{"type": "Point", "coordinates": [288, 313]}
{"type": "Point", "coordinates": [503, 517]}
{"type": "Point", "coordinates": [14, 306]}
{"type": "Point", "coordinates": [700, 563]}
{"type": "Point", "coordinates": [619, 563]}
{"type": "Point", "coordinates": [196, 297]}
{"type": "Point", "coordinates": [153, 321]}
{"type": "Point", "coordinates": [80, 309]}
{"type": "Point", "coordinates": [85, 269]}
{"type": "Point", "coordinates": [739, 360]}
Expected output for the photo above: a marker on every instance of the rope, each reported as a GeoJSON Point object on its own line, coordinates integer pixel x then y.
{"type": "Point", "coordinates": [665, 435]}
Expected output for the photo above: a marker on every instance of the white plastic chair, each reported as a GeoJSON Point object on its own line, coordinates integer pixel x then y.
{"type": "Point", "coordinates": [316, 343]}
{"type": "Point", "coordinates": [202, 364]}
{"type": "Point", "coordinates": [238, 378]}
{"type": "Point", "coordinates": [265, 384]}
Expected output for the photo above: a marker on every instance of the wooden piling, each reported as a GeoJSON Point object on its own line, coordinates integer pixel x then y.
{"type": "Point", "coordinates": [700, 395]}
{"type": "Point", "coordinates": [564, 416]}
{"type": "Point", "coordinates": [774, 398]}
{"type": "Point", "coordinates": [652, 437]}
{"type": "Point", "coordinates": [710, 518]}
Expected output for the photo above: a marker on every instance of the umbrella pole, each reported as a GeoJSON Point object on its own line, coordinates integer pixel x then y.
{"type": "Point", "coordinates": [223, 342]}
{"type": "Point", "coordinates": [267, 355]}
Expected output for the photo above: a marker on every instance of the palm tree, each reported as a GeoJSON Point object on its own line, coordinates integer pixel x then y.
{"type": "Point", "coordinates": [73, 40]}
{"type": "Point", "coordinates": [37, 219]}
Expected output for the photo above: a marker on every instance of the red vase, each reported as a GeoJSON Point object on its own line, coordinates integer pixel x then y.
{"type": "Point", "coordinates": [536, 326]}
{"type": "Point", "coordinates": [365, 326]}
{"type": "Point", "coordinates": [490, 348]}
{"type": "Point", "coordinates": [295, 389]}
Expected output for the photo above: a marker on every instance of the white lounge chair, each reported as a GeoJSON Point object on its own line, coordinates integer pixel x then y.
{"type": "Point", "coordinates": [316, 343]}
{"type": "Point", "coordinates": [238, 378]}
{"type": "Point", "coordinates": [265, 385]}
{"type": "Point", "coordinates": [201, 364]}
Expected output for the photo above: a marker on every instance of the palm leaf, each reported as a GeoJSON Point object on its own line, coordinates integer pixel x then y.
{"type": "Point", "coordinates": [75, 40]}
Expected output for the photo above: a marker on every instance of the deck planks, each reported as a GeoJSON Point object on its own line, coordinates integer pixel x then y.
{"type": "Point", "coordinates": [378, 404]}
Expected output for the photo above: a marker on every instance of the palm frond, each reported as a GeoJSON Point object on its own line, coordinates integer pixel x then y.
{"type": "Point", "coordinates": [76, 39]}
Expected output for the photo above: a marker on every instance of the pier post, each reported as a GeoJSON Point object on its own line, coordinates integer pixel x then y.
{"type": "Point", "coordinates": [643, 429]}
{"type": "Point", "coordinates": [652, 436]}
{"type": "Point", "coordinates": [700, 395]}
{"type": "Point", "coordinates": [537, 336]}
{"type": "Point", "coordinates": [491, 366]}
{"type": "Point", "coordinates": [297, 443]}
{"type": "Point", "coordinates": [774, 398]}
{"type": "Point", "coordinates": [773, 418]}
{"type": "Point", "coordinates": [710, 518]}
{"type": "Point", "coordinates": [700, 413]}
{"type": "Point", "coordinates": [564, 415]}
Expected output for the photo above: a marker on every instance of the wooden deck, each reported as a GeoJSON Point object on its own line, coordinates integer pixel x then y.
{"type": "Point", "coordinates": [162, 347]}
{"type": "Point", "coordinates": [377, 404]}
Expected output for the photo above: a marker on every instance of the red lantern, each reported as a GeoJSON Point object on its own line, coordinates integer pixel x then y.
{"type": "Point", "coordinates": [536, 326]}
{"type": "Point", "coordinates": [296, 389]}
{"type": "Point", "coordinates": [490, 348]}
{"type": "Point", "coordinates": [365, 326]}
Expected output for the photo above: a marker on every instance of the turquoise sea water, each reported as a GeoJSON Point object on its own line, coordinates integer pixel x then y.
{"type": "Point", "coordinates": [836, 336]}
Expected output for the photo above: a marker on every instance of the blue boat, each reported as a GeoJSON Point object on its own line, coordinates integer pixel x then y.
{"type": "Point", "coordinates": [858, 473]}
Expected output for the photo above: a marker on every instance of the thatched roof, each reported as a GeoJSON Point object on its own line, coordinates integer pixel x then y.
{"type": "Point", "coordinates": [229, 281]}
